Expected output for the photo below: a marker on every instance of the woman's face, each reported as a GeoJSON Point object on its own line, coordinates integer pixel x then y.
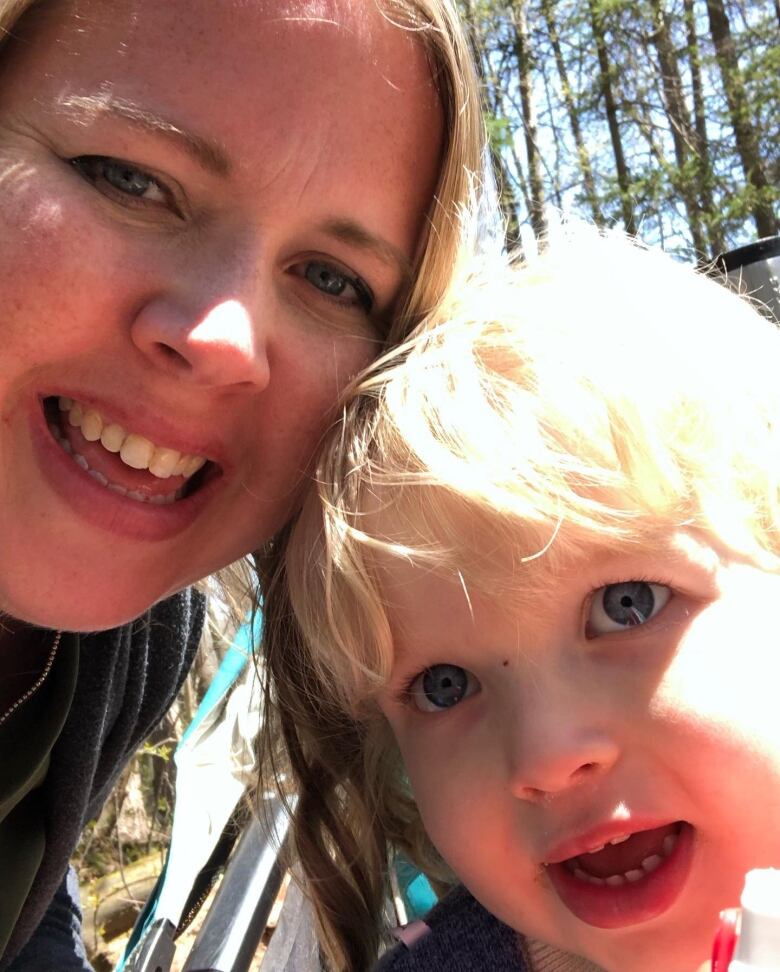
{"type": "Point", "coordinates": [207, 210]}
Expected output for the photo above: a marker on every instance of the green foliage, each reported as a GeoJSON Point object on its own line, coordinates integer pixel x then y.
{"type": "Point", "coordinates": [499, 132]}
{"type": "Point", "coordinates": [710, 183]}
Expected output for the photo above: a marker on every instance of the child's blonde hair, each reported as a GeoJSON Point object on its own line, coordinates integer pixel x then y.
{"type": "Point", "coordinates": [600, 394]}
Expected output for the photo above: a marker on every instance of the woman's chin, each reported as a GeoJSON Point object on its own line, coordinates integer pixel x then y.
{"type": "Point", "coordinates": [77, 604]}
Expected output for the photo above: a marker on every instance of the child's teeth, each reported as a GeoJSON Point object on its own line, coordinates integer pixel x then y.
{"type": "Point", "coordinates": [136, 451]}
{"type": "Point", "coordinates": [65, 404]}
{"type": "Point", "coordinates": [81, 461]}
{"type": "Point", "coordinates": [98, 476]}
{"type": "Point", "coordinates": [648, 865]}
{"type": "Point", "coordinates": [589, 878]}
{"type": "Point", "coordinates": [596, 849]}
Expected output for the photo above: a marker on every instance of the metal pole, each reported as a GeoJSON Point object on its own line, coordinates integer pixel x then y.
{"type": "Point", "coordinates": [234, 925]}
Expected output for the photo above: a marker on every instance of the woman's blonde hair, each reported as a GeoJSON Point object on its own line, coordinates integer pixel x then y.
{"type": "Point", "coordinates": [10, 12]}
{"type": "Point", "coordinates": [599, 395]}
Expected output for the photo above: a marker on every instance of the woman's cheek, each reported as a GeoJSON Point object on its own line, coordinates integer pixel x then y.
{"type": "Point", "coordinates": [70, 265]}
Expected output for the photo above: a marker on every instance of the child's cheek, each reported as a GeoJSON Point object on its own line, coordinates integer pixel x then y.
{"type": "Point", "coordinates": [455, 769]}
{"type": "Point", "coordinates": [724, 672]}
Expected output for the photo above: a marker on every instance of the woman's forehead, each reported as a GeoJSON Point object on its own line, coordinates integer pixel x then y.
{"type": "Point", "coordinates": [364, 20]}
{"type": "Point", "coordinates": [259, 58]}
{"type": "Point", "coordinates": [330, 86]}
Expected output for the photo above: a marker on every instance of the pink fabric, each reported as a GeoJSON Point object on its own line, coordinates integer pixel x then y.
{"type": "Point", "coordinates": [411, 933]}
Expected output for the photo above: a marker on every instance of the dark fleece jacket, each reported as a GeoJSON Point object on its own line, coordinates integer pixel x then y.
{"type": "Point", "coordinates": [127, 679]}
{"type": "Point", "coordinates": [463, 937]}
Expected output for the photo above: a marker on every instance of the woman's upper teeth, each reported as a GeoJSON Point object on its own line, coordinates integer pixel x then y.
{"type": "Point", "coordinates": [134, 450]}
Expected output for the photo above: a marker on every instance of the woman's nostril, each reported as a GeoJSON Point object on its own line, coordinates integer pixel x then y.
{"type": "Point", "coordinates": [172, 355]}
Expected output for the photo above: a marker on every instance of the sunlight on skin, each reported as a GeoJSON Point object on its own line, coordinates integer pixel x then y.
{"type": "Point", "coordinates": [229, 315]}
{"type": "Point", "coordinates": [14, 174]}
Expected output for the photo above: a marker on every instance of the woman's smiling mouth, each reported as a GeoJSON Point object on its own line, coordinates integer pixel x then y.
{"type": "Point", "coordinates": [124, 462]}
{"type": "Point", "coordinates": [117, 491]}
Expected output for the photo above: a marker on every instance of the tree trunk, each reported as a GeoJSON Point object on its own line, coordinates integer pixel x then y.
{"type": "Point", "coordinates": [605, 84]}
{"type": "Point", "coordinates": [701, 142]}
{"type": "Point", "coordinates": [739, 111]}
{"type": "Point", "coordinates": [507, 199]}
{"type": "Point", "coordinates": [683, 137]}
{"type": "Point", "coordinates": [525, 76]}
{"type": "Point", "coordinates": [583, 156]}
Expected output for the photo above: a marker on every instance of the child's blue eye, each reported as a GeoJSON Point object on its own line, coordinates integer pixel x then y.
{"type": "Point", "coordinates": [625, 605]}
{"type": "Point", "coordinates": [441, 687]}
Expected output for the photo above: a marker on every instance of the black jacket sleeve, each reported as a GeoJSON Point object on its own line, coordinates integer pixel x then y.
{"type": "Point", "coordinates": [128, 677]}
{"type": "Point", "coordinates": [57, 942]}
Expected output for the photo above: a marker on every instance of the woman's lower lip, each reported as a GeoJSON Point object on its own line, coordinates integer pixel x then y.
{"type": "Point", "coordinates": [101, 507]}
{"type": "Point", "coordinates": [628, 904]}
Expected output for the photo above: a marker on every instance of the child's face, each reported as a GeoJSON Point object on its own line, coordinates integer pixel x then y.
{"type": "Point", "coordinates": [535, 735]}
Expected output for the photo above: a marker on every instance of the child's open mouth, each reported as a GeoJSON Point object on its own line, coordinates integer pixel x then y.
{"type": "Point", "coordinates": [633, 878]}
{"type": "Point", "coordinates": [121, 461]}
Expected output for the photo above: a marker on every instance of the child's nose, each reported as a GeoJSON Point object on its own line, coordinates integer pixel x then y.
{"type": "Point", "coordinates": [557, 746]}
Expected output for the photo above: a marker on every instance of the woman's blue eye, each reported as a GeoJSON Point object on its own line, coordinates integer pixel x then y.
{"type": "Point", "coordinates": [337, 284]}
{"type": "Point", "coordinates": [625, 605]}
{"type": "Point", "coordinates": [121, 177]}
{"type": "Point", "coordinates": [441, 687]}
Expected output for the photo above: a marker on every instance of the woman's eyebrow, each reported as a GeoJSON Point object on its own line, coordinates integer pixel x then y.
{"type": "Point", "coordinates": [354, 234]}
{"type": "Point", "coordinates": [86, 108]}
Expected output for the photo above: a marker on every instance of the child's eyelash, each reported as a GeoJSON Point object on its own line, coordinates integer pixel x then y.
{"type": "Point", "coordinates": [403, 693]}
{"type": "Point", "coordinates": [640, 577]}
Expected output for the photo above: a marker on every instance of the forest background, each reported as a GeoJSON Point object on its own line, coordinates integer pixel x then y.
{"type": "Point", "coordinates": [658, 116]}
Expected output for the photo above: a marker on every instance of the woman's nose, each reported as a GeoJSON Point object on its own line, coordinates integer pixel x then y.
{"type": "Point", "coordinates": [215, 344]}
{"type": "Point", "coordinates": [558, 746]}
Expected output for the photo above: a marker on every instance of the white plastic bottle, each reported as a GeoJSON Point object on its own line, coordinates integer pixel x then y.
{"type": "Point", "coordinates": [758, 945]}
